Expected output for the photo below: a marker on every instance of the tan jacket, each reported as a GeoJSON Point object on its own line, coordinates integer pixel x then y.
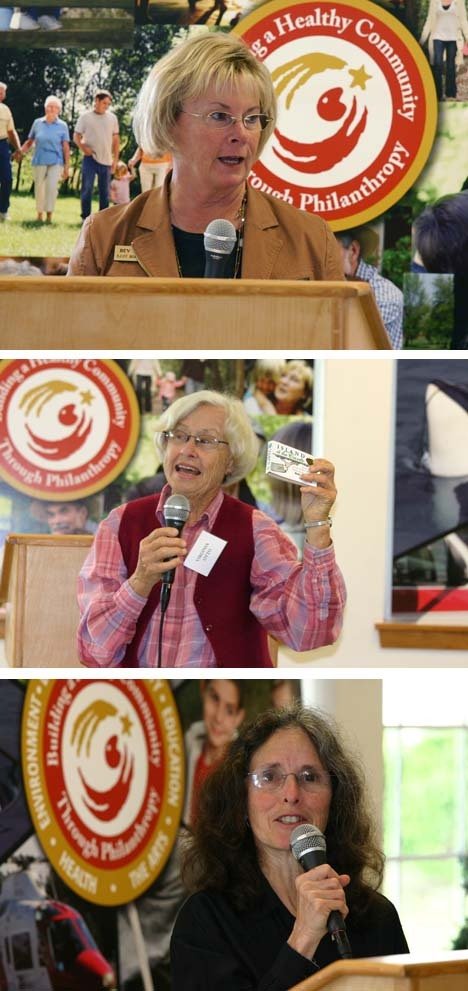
{"type": "Point", "coordinates": [280, 242]}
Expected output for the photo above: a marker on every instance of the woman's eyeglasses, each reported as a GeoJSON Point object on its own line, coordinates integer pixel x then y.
{"type": "Point", "coordinates": [220, 119]}
{"type": "Point", "coordinates": [273, 778]}
{"type": "Point", "coordinates": [181, 437]}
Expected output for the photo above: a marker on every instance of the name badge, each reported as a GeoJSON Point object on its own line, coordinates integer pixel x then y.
{"type": "Point", "coordinates": [124, 253]}
{"type": "Point", "coordinates": [204, 553]}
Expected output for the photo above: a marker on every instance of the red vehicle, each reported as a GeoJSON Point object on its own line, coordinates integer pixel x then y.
{"type": "Point", "coordinates": [46, 945]}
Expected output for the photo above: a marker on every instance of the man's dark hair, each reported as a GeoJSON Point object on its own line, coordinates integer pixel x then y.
{"type": "Point", "coordinates": [102, 94]}
{"type": "Point", "coordinates": [347, 237]}
{"type": "Point", "coordinates": [441, 235]}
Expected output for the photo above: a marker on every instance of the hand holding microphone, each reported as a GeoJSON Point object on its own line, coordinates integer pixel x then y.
{"type": "Point", "coordinates": [321, 897]}
{"type": "Point", "coordinates": [162, 550]}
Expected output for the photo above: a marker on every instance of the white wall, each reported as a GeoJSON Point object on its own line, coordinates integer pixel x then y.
{"type": "Point", "coordinates": [356, 705]}
{"type": "Point", "coordinates": [357, 437]}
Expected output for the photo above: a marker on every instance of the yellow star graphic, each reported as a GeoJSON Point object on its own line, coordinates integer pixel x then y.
{"type": "Point", "coordinates": [87, 398]}
{"type": "Point", "coordinates": [126, 725]}
{"type": "Point", "coordinates": [359, 77]}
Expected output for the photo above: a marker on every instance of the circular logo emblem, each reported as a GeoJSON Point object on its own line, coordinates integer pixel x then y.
{"type": "Point", "coordinates": [103, 767]}
{"type": "Point", "coordinates": [67, 428]}
{"type": "Point", "coordinates": [357, 107]}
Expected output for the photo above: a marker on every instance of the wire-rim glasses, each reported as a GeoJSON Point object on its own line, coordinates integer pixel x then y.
{"type": "Point", "coordinates": [273, 778]}
{"type": "Point", "coordinates": [181, 437]}
{"type": "Point", "coordinates": [220, 119]}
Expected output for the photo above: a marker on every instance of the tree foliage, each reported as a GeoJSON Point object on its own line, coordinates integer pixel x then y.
{"type": "Point", "coordinates": [33, 74]}
{"type": "Point", "coordinates": [74, 75]}
{"type": "Point", "coordinates": [396, 260]}
{"type": "Point", "coordinates": [428, 311]}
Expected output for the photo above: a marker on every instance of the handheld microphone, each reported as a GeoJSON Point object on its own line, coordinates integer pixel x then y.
{"type": "Point", "coordinates": [309, 847]}
{"type": "Point", "coordinates": [219, 240]}
{"type": "Point", "coordinates": [176, 512]}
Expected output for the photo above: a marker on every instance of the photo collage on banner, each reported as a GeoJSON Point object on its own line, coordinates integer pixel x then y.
{"type": "Point", "coordinates": [102, 800]}
{"type": "Point", "coordinates": [293, 806]}
{"type": "Point", "coordinates": [369, 174]}
{"type": "Point", "coordinates": [56, 484]}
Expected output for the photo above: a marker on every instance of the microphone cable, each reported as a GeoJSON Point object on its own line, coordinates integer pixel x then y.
{"type": "Point", "coordinates": [164, 600]}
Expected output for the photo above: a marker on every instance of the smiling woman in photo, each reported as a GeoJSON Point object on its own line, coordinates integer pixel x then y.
{"type": "Point", "coordinates": [293, 391]}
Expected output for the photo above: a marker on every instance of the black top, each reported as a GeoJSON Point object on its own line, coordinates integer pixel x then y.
{"type": "Point", "coordinates": [216, 948]}
{"type": "Point", "coordinates": [190, 250]}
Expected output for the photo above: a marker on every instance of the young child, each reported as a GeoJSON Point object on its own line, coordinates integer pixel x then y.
{"type": "Point", "coordinates": [168, 385]}
{"type": "Point", "coordinates": [120, 184]}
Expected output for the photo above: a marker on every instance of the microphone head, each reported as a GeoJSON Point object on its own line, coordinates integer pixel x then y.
{"type": "Point", "coordinates": [176, 510]}
{"type": "Point", "coordinates": [306, 838]}
{"type": "Point", "coordinates": [220, 237]}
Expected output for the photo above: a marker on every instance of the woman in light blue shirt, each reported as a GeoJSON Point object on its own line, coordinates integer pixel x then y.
{"type": "Point", "coordinates": [6, 13]}
{"type": "Point", "coordinates": [51, 156]}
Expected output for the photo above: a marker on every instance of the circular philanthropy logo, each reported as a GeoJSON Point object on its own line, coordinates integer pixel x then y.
{"type": "Point", "coordinates": [103, 767]}
{"type": "Point", "coordinates": [357, 107]}
{"type": "Point", "coordinates": [67, 428]}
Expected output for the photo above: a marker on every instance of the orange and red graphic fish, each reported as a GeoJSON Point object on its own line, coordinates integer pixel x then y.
{"type": "Point", "coordinates": [104, 803]}
{"type": "Point", "coordinates": [320, 156]}
{"type": "Point", "coordinates": [69, 415]}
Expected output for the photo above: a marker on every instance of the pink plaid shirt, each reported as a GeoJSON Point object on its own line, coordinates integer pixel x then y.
{"type": "Point", "coordinates": [301, 604]}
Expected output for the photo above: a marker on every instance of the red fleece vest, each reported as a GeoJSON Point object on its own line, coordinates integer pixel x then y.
{"type": "Point", "coordinates": [222, 598]}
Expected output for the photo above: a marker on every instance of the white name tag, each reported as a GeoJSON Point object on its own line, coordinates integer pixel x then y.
{"type": "Point", "coordinates": [205, 552]}
{"type": "Point", "coordinates": [124, 253]}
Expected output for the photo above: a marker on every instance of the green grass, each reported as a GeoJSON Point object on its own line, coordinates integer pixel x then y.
{"type": "Point", "coordinates": [23, 236]}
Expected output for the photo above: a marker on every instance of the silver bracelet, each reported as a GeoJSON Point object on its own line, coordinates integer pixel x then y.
{"type": "Point", "coordinates": [327, 522]}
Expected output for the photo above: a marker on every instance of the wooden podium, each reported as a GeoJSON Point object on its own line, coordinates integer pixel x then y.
{"type": "Point", "coordinates": [38, 588]}
{"type": "Point", "coordinates": [406, 972]}
{"type": "Point", "coordinates": [81, 313]}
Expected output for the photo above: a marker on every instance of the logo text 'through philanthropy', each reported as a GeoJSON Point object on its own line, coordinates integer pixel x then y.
{"type": "Point", "coordinates": [103, 766]}
{"type": "Point", "coordinates": [67, 428]}
{"type": "Point", "coordinates": [357, 107]}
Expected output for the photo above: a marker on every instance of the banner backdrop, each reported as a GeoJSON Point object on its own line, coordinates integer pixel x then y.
{"type": "Point", "coordinates": [371, 130]}
{"type": "Point", "coordinates": [357, 107]}
{"type": "Point", "coordinates": [97, 792]}
{"type": "Point", "coordinates": [68, 428]}
{"type": "Point", "coordinates": [103, 774]}
{"type": "Point", "coordinates": [77, 435]}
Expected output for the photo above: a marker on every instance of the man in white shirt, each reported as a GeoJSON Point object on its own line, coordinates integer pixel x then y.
{"type": "Point", "coordinates": [8, 135]}
{"type": "Point", "coordinates": [97, 136]}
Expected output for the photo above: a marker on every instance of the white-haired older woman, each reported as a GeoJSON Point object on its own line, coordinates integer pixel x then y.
{"type": "Point", "coordinates": [211, 104]}
{"type": "Point", "coordinates": [255, 585]}
{"type": "Point", "coordinates": [50, 137]}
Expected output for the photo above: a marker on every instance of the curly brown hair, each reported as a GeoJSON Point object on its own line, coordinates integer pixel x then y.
{"type": "Point", "coordinates": [221, 852]}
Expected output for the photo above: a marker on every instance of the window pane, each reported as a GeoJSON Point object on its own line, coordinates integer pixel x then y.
{"type": "Point", "coordinates": [430, 900]}
{"type": "Point", "coordinates": [22, 955]}
{"type": "Point", "coordinates": [430, 795]}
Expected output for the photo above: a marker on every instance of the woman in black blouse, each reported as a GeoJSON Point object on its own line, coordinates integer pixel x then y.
{"type": "Point", "coordinates": [255, 920]}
